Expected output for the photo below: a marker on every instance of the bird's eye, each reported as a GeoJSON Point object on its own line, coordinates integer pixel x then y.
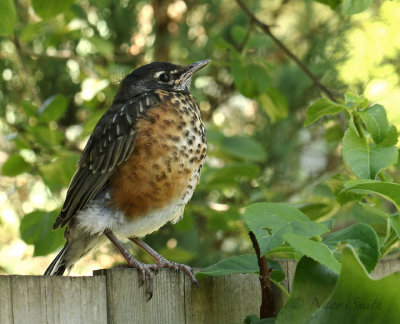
{"type": "Point", "coordinates": [164, 77]}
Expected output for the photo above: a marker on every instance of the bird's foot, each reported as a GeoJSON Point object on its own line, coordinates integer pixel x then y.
{"type": "Point", "coordinates": [164, 263]}
{"type": "Point", "coordinates": [146, 273]}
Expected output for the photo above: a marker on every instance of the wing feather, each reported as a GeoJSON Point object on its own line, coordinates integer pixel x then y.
{"type": "Point", "coordinates": [110, 144]}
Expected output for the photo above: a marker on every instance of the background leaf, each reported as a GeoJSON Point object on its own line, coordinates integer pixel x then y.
{"type": "Point", "coordinates": [246, 263]}
{"type": "Point", "coordinates": [351, 7]}
{"type": "Point", "coordinates": [389, 191]}
{"type": "Point", "coordinates": [47, 9]}
{"type": "Point", "coordinates": [313, 249]}
{"type": "Point", "coordinates": [321, 108]}
{"type": "Point", "coordinates": [312, 285]}
{"type": "Point", "coordinates": [362, 238]}
{"type": "Point", "coordinates": [376, 122]}
{"type": "Point", "coordinates": [53, 108]}
{"type": "Point", "coordinates": [14, 165]}
{"type": "Point", "coordinates": [366, 160]}
{"type": "Point", "coordinates": [36, 229]}
{"type": "Point", "coordinates": [243, 148]}
{"type": "Point", "coordinates": [8, 17]}
{"type": "Point", "coordinates": [358, 298]}
{"type": "Point", "coordinates": [271, 221]}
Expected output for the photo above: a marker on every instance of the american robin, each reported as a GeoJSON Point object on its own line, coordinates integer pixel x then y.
{"type": "Point", "coordinates": [138, 170]}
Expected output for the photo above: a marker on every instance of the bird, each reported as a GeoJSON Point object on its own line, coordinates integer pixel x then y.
{"type": "Point", "coordinates": [138, 169]}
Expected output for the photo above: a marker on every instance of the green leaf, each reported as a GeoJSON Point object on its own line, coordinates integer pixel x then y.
{"type": "Point", "coordinates": [388, 190]}
{"type": "Point", "coordinates": [47, 9]}
{"type": "Point", "coordinates": [35, 229]}
{"type": "Point", "coordinates": [312, 285]}
{"type": "Point", "coordinates": [45, 136]}
{"type": "Point", "coordinates": [320, 108]}
{"type": "Point", "coordinates": [230, 173]}
{"type": "Point", "coordinates": [362, 238]}
{"type": "Point", "coordinates": [270, 221]}
{"type": "Point", "coordinates": [395, 224]}
{"type": "Point", "coordinates": [8, 17]}
{"type": "Point", "coordinates": [244, 148]}
{"type": "Point", "coordinates": [58, 174]}
{"type": "Point", "coordinates": [274, 103]}
{"type": "Point", "coordinates": [376, 122]}
{"type": "Point", "coordinates": [336, 183]}
{"type": "Point", "coordinates": [177, 254]}
{"type": "Point", "coordinates": [53, 109]}
{"type": "Point", "coordinates": [351, 7]}
{"type": "Point", "coordinates": [277, 275]}
{"type": "Point", "coordinates": [254, 319]}
{"type": "Point", "coordinates": [318, 210]}
{"type": "Point", "coordinates": [331, 3]}
{"type": "Point", "coordinates": [358, 298]}
{"type": "Point", "coordinates": [366, 160]}
{"type": "Point", "coordinates": [313, 249]}
{"type": "Point", "coordinates": [251, 79]}
{"type": "Point", "coordinates": [351, 99]}
{"type": "Point", "coordinates": [391, 137]}
{"type": "Point", "coordinates": [14, 165]}
{"type": "Point", "coordinates": [29, 108]}
{"type": "Point", "coordinates": [246, 263]}
{"type": "Point", "coordinates": [238, 33]}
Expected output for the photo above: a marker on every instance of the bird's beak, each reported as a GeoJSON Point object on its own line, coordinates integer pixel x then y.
{"type": "Point", "coordinates": [192, 68]}
{"type": "Point", "coordinates": [189, 70]}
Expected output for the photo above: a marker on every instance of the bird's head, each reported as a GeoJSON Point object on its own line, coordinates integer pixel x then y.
{"type": "Point", "coordinates": [159, 75]}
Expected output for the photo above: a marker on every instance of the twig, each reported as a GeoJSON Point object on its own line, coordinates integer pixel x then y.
{"type": "Point", "coordinates": [247, 36]}
{"type": "Point", "coordinates": [267, 29]}
{"type": "Point", "coordinates": [267, 308]}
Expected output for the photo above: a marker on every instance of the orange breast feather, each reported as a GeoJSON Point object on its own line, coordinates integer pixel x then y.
{"type": "Point", "coordinates": [159, 169]}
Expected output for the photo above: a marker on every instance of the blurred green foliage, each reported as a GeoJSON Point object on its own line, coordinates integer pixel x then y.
{"type": "Point", "coordinates": [60, 67]}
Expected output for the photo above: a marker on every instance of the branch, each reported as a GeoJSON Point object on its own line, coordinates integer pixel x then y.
{"type": "Point", "coordinates": [267, 299]}
{"type": "Point", "coordinates": [267, 30]}
{"type": "Point", "coordinates": [247, 37]}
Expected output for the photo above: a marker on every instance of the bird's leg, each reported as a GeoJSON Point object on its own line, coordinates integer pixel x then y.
{"type": "Point", "coordinates": [145, 269]}
{"type": "Point", "coordinates": [163, 262]}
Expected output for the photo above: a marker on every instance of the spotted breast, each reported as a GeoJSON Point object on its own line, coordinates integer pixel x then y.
{"type": "Point", "coordinates": [156, 182]}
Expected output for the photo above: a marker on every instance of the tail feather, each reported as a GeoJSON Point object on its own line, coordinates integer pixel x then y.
{"type": "Point", "coordinates": [78, 245]}
{"type": "Point", "coordinates": [58, 266]}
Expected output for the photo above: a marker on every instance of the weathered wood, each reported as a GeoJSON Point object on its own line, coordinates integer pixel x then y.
{"type": "Point", "coordinates": [114, 296]}
{"type": "Point", "coordinates": [127, 300]}
{"type": "Point", "coordinates": [5, 300]}
{"type": "Point", "coordinates": [386, 267]}
{"type": "Point", "coordinates": [289, 268]}
{"type": "Point", "coordinates": [37, 299]}
{"type": "Point", "coordinates": [226, 299]}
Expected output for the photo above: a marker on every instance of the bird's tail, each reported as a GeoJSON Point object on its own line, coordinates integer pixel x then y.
{"type": "Point", "coordinates": [58, 266]}
{"type": "Point", "coordinates": [79, 243]}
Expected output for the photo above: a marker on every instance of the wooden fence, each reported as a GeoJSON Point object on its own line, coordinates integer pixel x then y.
{"type": "Point", "coordinates": [114, 296]}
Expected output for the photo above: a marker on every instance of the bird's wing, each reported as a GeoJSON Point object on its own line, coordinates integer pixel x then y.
{"type": "Point", "coordinates": [110, 144]}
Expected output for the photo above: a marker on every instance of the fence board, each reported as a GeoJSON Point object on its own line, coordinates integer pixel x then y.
{"type": "Point", "coordinates": [5, 300]}
{"type": "Point", "coordinates": [38, 299]}
{"type": "Point", "coordinates": [114, 296]}
{"type": "Point", "coordinates": [127, 301]}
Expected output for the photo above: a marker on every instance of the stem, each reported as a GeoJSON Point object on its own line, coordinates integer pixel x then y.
{"type": "Point", "coordinates": [267, 30]}
{"type": "Point", "coordinates": [389, 241]}
{"type": "Point", "coordinates": [357, 124]}
{"type": "Point", "coordinates": [267, 299]}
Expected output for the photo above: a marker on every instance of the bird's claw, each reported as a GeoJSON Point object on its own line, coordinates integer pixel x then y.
{"type": "Point", "coordinates": [164, 263]}
{"type": "Point", "coordinates": [146, 274]}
